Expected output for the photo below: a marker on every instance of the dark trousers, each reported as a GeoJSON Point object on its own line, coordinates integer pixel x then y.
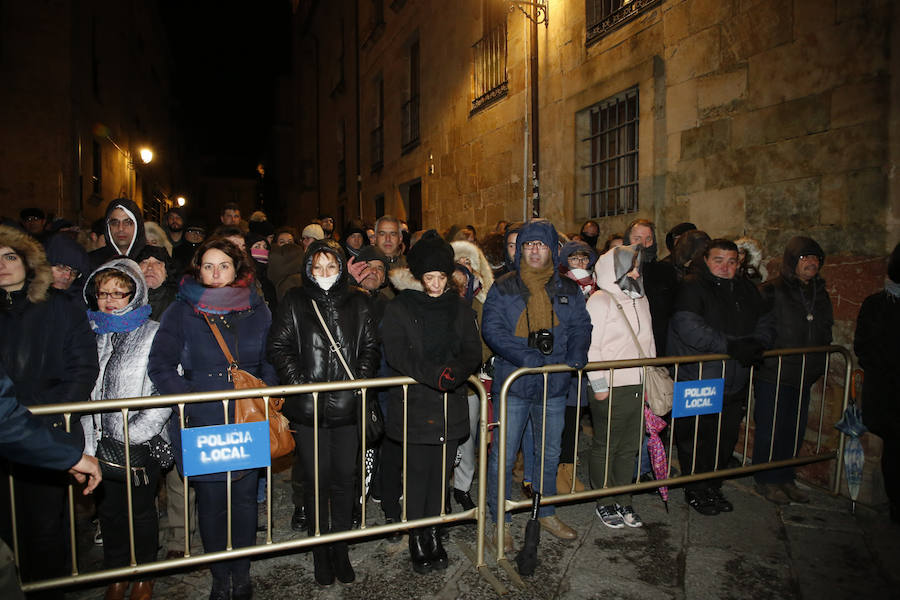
{"type": "Point", "coordinates": [296, 473]}
{"type": "Point", "coordinates": [112, 508]}
{"type": "Point", "coordinates": [567, 447]}
{"type": "Point", "coordinates": [42, 526]}
{"type": "Point", "coordinates": [785, 428]}
{"type": "Point", "coordinates": [890, 468]}
{"type": "Point", "coordinates": [212, 517]}
{"type": "Point", "coordinates": [424, 484]}
{"type": "Point", "coordinates": [390, 471]}
{"type": "Point", "coordinates": [338, 453]}
{"type": "Point", "coordinates": [733, 408]}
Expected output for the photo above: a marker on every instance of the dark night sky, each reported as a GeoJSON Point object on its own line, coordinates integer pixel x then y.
{"type": "Point", "coordinates": [227, 57]}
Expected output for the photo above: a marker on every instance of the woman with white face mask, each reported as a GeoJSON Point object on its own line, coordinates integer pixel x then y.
{"type": "Point", "coordinates": [301, 352]}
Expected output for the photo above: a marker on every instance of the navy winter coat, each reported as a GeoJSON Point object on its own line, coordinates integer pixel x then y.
{"type": "Point", "coordinates": [505, 304]}
{"type": "Point", "coordinates": [185, 339]}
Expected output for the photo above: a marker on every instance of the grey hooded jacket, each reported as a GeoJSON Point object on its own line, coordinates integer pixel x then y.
{"type": "Point", "coordinates": [123, 370]}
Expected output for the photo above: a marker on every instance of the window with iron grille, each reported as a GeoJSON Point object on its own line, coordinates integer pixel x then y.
{"type": "Point", "coordinates": [489, 57]}
{"type": "Point", "coordinates": [377, 135]}
{"type": "Point", "coordinates": [608, 156]}
{"type": "Point", "coordinates": [409, 118]}
{"type": "Point", "coordinates": [604, 16]}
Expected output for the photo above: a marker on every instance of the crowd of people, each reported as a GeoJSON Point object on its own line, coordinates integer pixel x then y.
{"type": "Point", "coordinates": [134, 308]}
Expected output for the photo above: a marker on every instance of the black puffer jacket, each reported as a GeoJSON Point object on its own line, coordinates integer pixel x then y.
{"type": "Point", "coordinates": [790, 301]}
{"type": "Point", "coordinates": [46, 344]}
{"type": "Point", "coordinates": [302, 353]}
{"type": "Point", "coordinates": [404, 329]}
{"type": "Point", "coordinates": [710, 312]}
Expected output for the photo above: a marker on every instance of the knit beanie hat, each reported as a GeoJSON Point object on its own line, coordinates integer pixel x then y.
{"type": "Point", "coordinates": [431, 253]}
{"type": "Point", "coordinates": [313, 230]}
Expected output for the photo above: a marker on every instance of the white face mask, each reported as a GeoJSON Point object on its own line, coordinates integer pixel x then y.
{"type": "Point", "coordinates": [579, 273]}
{"type": "Point", "coordinates": [326, 282]}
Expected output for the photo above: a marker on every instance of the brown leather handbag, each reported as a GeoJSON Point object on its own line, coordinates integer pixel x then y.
{"type": "Point", "coordinates": [251, 410]}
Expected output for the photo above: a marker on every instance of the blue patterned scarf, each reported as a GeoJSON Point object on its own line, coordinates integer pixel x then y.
{"type": "Point", "coordinates": [102, 322]}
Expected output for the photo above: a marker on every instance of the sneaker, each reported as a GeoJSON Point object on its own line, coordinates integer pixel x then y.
{"type": "Point", "coordinates": [628, 515]}
{"type": "Point", "coordinates": [795, 493]}
{"type": "Point", "coordinates": [610, 516]}
{"type": "Point", "coordinates": [702, 502]}
{"type": "Point", "coordinates": [722, 503]}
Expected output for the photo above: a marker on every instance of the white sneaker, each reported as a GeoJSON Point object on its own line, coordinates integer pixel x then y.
{"type": "Point", "coordinates": [628, 515]}
{"type": "Point", "coordinates": [610, 516]}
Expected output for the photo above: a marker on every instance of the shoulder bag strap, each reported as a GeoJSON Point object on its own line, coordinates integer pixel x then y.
{"type": "Point", "coordinates": [221, 341]}
{"type": "Point", "coordinates": [628, 323]}
{"type": "Point", "coordinates": [334, 346]}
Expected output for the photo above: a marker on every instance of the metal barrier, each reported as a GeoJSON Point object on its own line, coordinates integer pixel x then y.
{"type": "Point", "coordinates": [500, 402]}
{"type": "Point", "coordinates": [178, 402]}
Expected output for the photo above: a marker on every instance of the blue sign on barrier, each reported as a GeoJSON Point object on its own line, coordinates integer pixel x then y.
{"type": "Point", "coordinates": [220, 448]}
{"type": "Point", "coordinates": [702, 397]}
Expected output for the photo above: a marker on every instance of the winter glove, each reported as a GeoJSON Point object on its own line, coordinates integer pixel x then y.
{"type": "Point", "coordinates": [446, 380]}
{"type": "Point", "coordinates": [575, 363]}
{"type": "Point", "coordinates": [747, 351]}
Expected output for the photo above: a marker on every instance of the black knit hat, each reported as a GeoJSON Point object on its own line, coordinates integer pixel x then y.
{"type": "Point", "coordinates": [430, 253]}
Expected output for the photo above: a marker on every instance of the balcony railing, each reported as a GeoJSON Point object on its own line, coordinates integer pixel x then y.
{"type": "Point", "coordinates": [489, 68]}
{"type": "Point", "coordinates": [604, 16]}
{"type": "Point", "coordinates": [410, 124]}
{"type": "Point", "coordinates": [377, 141]}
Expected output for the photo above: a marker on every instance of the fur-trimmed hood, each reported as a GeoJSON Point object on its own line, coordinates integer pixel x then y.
{"type": "Point", "coordinates": [402, 279]}
{"type": "Point", "coordinates": [37, 270]}
{"type": "Point", "coordinates": [754, 255]}
{"type": "Point", "coordinates": [481, 268]}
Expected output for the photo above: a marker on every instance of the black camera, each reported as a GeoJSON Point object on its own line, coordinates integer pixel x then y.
{"type": "Point", "coordinates": [542, 339]}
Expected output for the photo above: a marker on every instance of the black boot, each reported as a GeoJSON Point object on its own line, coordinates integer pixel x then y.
{"type": "Point", "coordinates": [322, 565]}
{"type": "Point", "coordinates": [418, 552]}
{"type": "Point", "coordinates": [340, 562]}
{"type": "Point", "coordinates": [435, 547]}
{"type": "Point", "coordinates": [298, 521]}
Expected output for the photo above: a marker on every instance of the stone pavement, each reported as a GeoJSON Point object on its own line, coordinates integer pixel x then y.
{"type": "Point", "coordinates": [815, 551]}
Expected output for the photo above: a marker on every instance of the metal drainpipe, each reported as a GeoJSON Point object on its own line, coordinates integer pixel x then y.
{"type": "Point", "coordinates": [535, 120]}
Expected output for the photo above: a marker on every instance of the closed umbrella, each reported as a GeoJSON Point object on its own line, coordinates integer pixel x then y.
{"type": "Point", "coordinates": [527, 558]}
{"type": "Point", "coordinates": [851, 425]}
{"type": "Point", "coordinates": [654, 424]}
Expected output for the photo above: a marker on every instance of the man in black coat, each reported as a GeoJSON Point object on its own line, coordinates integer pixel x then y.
{"type": "Point", "coordinates": [124, 232]}
{"type": "Point", "coordinates": [801, 309]}
{"type": "Point", "coordinates": [156, 266]}
{"type": "Point", "coordinates": [716, 313]}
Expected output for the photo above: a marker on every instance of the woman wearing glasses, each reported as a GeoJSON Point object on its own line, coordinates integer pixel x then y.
{"type": "Point", "coordinates": [218, 287]}
{"type": "Point", "coordinates": [119, 314]}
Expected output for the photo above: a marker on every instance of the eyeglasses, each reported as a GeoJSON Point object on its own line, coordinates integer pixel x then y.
{"type": "Point", "coordinates": [113, 295]}
{"type": "Point", "coordinates": [809, 257]}
{"type": "Point", "coordinates": [581, 260]}
{"type": "Point", "coordinates": [69, 270]}
{"type": "Point", "coordinates": [31, 218]}
{"type": "Point", "coordinates": [195, 231]}
{"type": "Point", "coordinates": [534, 245]}
{"type": "Point", "coordinates": [120, 223]}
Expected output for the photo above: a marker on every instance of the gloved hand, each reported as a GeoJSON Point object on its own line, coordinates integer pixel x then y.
{"type": "Point", "coordinates": [575, 363]}
{"type": "Point", "coordinates": [747, 351]}
{"type": "Point", "coordinates": [447, 380]}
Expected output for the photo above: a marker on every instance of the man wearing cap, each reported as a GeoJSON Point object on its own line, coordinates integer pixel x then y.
{"type": "Point", "coordinates": [155, 265]}
{"type": "Point", "coordinates": [33, 221]}
{"type": "Point", "coordinates": [801, 307]}
{"type": "Point", "coordinates": [124, 232]}
{"type": "Point", "coordinates": [534, 317]}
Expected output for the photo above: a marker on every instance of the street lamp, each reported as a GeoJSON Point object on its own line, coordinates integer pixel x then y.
{"type": "Point", "coordinates": [146, 155]}
{"type": "Point", "coordinates": [181, 201]}
{"type": "Point", "coordinates": [541, 10]}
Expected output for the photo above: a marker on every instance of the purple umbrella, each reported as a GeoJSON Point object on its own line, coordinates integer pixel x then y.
{"type": "Point", "coordinates": [655, 449]}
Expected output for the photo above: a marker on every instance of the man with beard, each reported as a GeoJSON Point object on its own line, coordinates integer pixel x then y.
{"type": "Point", "coordinates": [124, 232]}
{"type": "Point", "coordinates": [174, 227]}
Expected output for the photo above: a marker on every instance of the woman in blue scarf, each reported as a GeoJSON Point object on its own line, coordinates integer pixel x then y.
{"type": "Point", "coordinates": [120, 317]}
{"type": "Point", "coordinates": [218, 285]}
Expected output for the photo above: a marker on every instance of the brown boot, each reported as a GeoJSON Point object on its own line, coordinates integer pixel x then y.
{"type": "Point", "coordinates": [564, 476]}
{"type": "Point", "coordinates": [116, 591]}
{"type": "Point", "coordinates": [142, 590]}
{"type": "Point", "coordinates": [518, 470]}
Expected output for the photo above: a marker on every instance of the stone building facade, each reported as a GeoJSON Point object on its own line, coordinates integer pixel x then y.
{"type": "Point", "coordinates": [765, 118]}
{"type": "Point", "coordinates": [86, 86]}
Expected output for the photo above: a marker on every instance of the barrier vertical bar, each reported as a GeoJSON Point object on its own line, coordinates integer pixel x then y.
{"type": "Point", "coordinates": [13, 516]}
{"type": "Point", "coordinates": [750, 391]}
{"type": "Point", "coordinates": [775, 410]}
{"type": "Point", "coordinates": [444, 462]}
{"type": "Point", "coordinates": [70, 494]}
{"type": "Point", "coordinates": [672, 434]}
{"type": "Point", "coordinates": [268, 483]}
{"type": "Point", "coordinates": [577, 431]}
{"type": "Point", "coordinates": [799, 407]}
{"type": "Point", "coordinates": [544, 432]}
{"type": "Point", "coordinates": [187, 504]}
{"type": "Point", "coordinates": [405, 446]}
{"type": "Point", "coordinates": [822, 407]}
{"type": "Point", "coordinates": [609, 405]}
{"type": "Point", "coordinates": [838, 467]}
{"type": "Point", "coordinates": [363, 415]}
{"type": "Point", "coordinates": [228, 532]}
{"type": "Point", "coordinates": [315, 395]}
{"type": "Point", "coordinates": [129, 499]}
{"type": "Point", "coordinates": [719, 427]}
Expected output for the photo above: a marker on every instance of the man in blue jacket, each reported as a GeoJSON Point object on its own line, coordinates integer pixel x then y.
{"type": "Point", "coordinates": [532, 318]}
{"type": "Point", "coordinates": [24, 439]}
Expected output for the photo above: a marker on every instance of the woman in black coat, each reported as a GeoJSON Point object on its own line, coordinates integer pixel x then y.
{"type": "Point", "coordinates": [877, 346]}
{"type": "Point", "coordinates": [301, 352]}
{"type": "Point", "coordinates": [429, 334]}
